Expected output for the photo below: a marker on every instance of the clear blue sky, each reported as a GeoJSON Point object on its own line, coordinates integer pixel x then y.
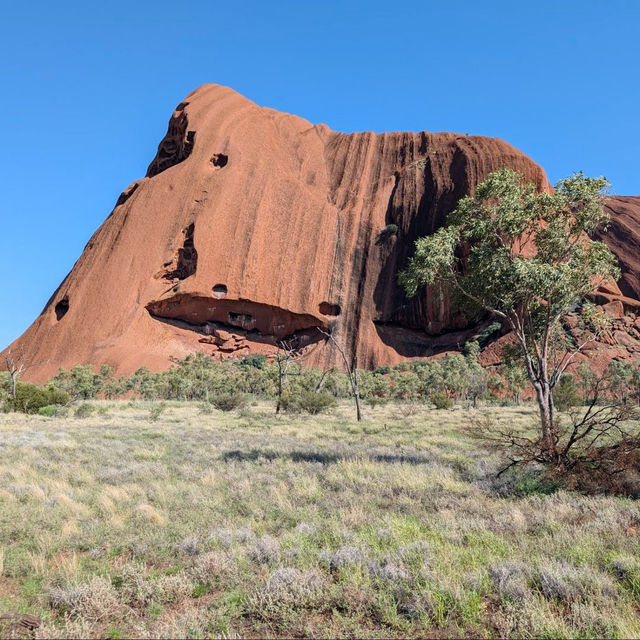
{"type": "Point", "coordinates": [87, 89]}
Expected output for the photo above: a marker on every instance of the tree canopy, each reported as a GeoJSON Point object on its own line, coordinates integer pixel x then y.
{"type": "Point", "coordinates": [525, 256]}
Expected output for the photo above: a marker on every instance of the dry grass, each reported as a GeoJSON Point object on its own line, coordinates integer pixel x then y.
{"type": "Point", "coordinates": [247, 524]}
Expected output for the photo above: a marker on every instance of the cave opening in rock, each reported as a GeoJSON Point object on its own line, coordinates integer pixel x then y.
{"type": "Point", "coordinates": [61, 308]}
{"type": "Point", "coordinates": [244, 320]}
{"type": "Point", "coordinates": [175, 147]}
{"type": "Point", "coordinates": [219, 160]}
{"type": "Point", "coordinates": [246, 315]}
{"type": "Point", "coordinates": [186, 260]}
{"type": "Point", "coordinates": [220, 291]}
{"type": "Point", "coordinates": [328, 309]}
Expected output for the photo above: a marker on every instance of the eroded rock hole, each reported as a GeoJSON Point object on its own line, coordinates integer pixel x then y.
{"type": "Point", "coordinates": [186, 260]}
{"type": "Point", "coordinates": [328, 309]}
{"type": "Point", "coordinates": [219, 160]}
{"type": "Point", "coordinates": [244, 320]}
{"type": "Point", "coordinates": [61, 308]}
{"type": "Point", "coordinates": [175, 147]}
{"type": "Point", "coordinates": [220, 291]}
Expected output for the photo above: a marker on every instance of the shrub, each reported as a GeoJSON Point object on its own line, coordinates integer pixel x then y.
{"type": "Point", "coordinates": [566, 395]}
{"type": "Point", "coordinates": [204, 408]}
{"type": "Point", "coordinates": [510, 580]}
{"type": "Point", "coordinates": [387, 571]}
{"type": "Point", "coordinates": [567, 583]}
{"type": "Point", "coordinates": [315, 403]}
{"type": "Point", "coordinates": [189, 546]}
{"type": "Point", "coordinates": [289, 402]}
{"type": "Point", "coordinates": [48, 411]}
{"type": "Point", "coordinates": [486, 335]}
{"type": "Point", "coordinates": [287, 587]}
{"type": "Point", "coordinates": [80, 382]}
{"type": "Point", "coordinates": [227, 401]}
{"type": "Point", "coordinates": [258, 361]}
{"type": "Point", "coordinates": [340, 558]}
{"type": "Point", "coordinates": [172, 588]}
{"type": "Point", "coordinates": [306, 400]}
{"type": "Point", "coordinates": [84, 410]}
{"type": "Point", "coordinates": [134, 589]}
{"type": "Point", "coordinates": [57, 396]}
{"type": "Point", "coordinates": [5, 385]}
{"type": "Point", "coordinates": [265, 551]}
{"type": "Point", "coordinates": [222, 536]}
{"type": "Point", "coordinates": [388, 231]}
{"type": "Point", "coordinates": [93, 601]}
{"type": "Point", "coordinates": [625, 567]}
{"type": "Point", "coordinates": [156, 410]}
{"type": "Point", "coordinates": [214, 566]}
{"type": "Point", "coordinates": [441, 401]}
{"type": "Point", "coordinates": [30, 398]}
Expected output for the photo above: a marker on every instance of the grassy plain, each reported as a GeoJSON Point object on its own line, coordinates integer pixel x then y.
{"type": "Point", "coordinates": [196, 523]}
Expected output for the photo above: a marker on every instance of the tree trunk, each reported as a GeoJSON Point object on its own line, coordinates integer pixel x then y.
{"type": "Point", "coordinates": [14, 384]}
{"type": "Point", "coordinates": [279, 392]}
{"type": "Point", "coordinates": [544, 396]}
{"type": "Point", "coordinates": [356, 390]}
{"type": "Point", "coordinates": [321, 381]}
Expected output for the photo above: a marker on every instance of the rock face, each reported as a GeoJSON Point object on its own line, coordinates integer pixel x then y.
{"type": "Point", "coordinates": [252, 226]}
{"type": "Point", "coordinates": [623, 238]}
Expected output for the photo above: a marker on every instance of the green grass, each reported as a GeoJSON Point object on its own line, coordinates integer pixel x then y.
{"type": "Point", "coordinates": [133, 522]}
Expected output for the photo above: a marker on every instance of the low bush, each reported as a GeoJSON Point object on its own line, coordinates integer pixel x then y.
{"type": "Point", "coordinates": [310, 401]}
{"type": "Point", "coordinates": [57, 396]}
{"type": "Point", "coordinates": [387, 232]}
{"type": "Point", "coordinates": [227, 401]}
{"type": "Point", "coordinates": [315, 403]}
{"type": "Point", "coordinates": [48, 410]}
{"type": "Point", "coordinates": [289, 402]}
{"type": "Point", "coordinates": [205, 409]}
{"type": "Point", "coordinates": [441, 401]}
{"type": "Point", "coordinates": [30, 398]}
{"type": "Point", "coordinates": [288, 589]}
{"type": "Point", "coordinates": [156, 410]}
{"type": "Point", "coordinates": [256, 360]}
{"type": "Point", "coordinates": [84, 410]}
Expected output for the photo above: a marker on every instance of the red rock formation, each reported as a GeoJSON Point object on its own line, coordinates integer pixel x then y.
{"type": "Point", "coordinates": [623, 238]}
{"type": "Point", "coordinates": [253, 225]}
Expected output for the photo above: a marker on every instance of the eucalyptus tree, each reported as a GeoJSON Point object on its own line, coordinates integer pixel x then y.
{"type": "Point", "coordinates": [524, 256]}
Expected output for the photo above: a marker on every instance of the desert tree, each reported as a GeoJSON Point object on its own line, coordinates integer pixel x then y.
{"type": "Point", "coordinates": [587, 379]}
{"type": "Point", "coordinates": [16, 364]}
{"type": "Point", "coordinates": [516, 379]}
{"type": "Point", "coordinates": [350, 367]}
{"type": "Point", "coordinates": [524, 256]}
{"type": "Point", "coordinates": [285, 357]}
{"type": "Point", "coordinates": [476, 375]}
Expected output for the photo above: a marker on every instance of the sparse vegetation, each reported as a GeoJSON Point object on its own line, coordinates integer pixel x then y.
{"type": "Point", "coordinates": [394, 526]}
{"type": "Point", "coordinates": [388, 232]}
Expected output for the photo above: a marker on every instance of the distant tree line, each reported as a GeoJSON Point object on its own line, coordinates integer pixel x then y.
{"type": "Point", "coordinates": [441, 382]}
